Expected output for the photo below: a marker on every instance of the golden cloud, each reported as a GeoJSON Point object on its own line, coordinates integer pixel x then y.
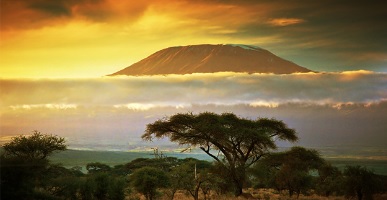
{"type": "Point", "coordinates": [285, 21]}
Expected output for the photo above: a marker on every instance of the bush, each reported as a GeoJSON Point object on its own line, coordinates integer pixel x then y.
{"type": "Point", "coordinates": [360, 182]}
{"type": "Point", "coordinates": [147, 180]}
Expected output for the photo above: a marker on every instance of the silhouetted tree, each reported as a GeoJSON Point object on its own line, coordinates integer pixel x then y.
{"type": "Point", "coordinates": [62, 182]}
{"type": "Point", "coordinates": [189, 176]}
{"type": "Point", "coordinates": [329, 180]}
{"type": "Point", "coordinates": [117, 188]}
{"type": "Point", "coordinates": [360, 182]}
{"type": "Point", "coordinates": [24, 165]}
{"type": "Point", "coordinates": [147, 180]}
{"type": "Point", "coordinates": [241, 142]}
{"type": "Point", "coordinates": [293, 168]}
{"type": "Point", "coordinates": [87, 189]}
{"type": "Point", "coordinates": [37, 146]}
{"type": "Point", "coordinates": [103, 186]}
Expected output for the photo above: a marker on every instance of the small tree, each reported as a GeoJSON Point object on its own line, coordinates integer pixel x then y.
{"type": "Point", "coordinates": [329, 181]}
{"type": "Point", "coordinates": [62, 182]}
{"type": "Point", "coordinates": [102, 183]}
{"type": "Point", "coordinates": [190, 176]}
{"type": "Point", "coordinates": [24, 163]}
{"type": "Point", "coordinates": [360, 182]}
{"type": "Point", "coordinates": [37, 146]}
{"type": "Point", "coordinates": [147, 180]}
{"type": "Point", "coordinates": [293, 168]}
{"type": "Point", "coordinates": [116, 190]}
{"type": "Point", "coordinates": [240, 142]}
{"type": "Point", "coordinates": [87, 189]}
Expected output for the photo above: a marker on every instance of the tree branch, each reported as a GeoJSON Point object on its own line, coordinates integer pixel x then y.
{"type": "Point", "coordinates": [210, 154]}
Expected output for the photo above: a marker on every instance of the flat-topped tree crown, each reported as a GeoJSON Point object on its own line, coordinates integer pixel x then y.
{"type": "Point", "coordinates": [241, 142]}
{"type": "Point", "coordinates": [208, 58]}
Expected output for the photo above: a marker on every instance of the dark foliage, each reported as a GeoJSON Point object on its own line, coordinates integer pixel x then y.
{"type": "Point", "coordinates": [147, 180]}
{"type": "Point", "coordinates": [329, 181]}
{"type": "Point", "coordinates": [97, 167]}
{"type": "Point", "coordinates": [360, 182]}
{"type": "Point", "coordinates": [37, 146]}
{"type": "Point", "coordinates": [25, 169]}
{"type": "Point", "coordinates": [239, 142]}
{"type": "Point", "coordinates": [290, 170]}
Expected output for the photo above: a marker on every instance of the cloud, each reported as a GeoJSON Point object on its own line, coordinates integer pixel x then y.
{"type": "Point", "coordinates": [285, 21]}
{"type": "Point", "coordinates": [35, 14]}
{"type": "Point", "coordinates": [115, 110]}
{"type": "Point", "coordinates": [182, 90]}
{"type": "Point", "coordinates": [106, 127]}
{"type": "Point", "coordinates": [332, 109]}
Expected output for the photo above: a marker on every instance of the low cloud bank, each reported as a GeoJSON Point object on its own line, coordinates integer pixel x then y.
{"type": "Point", "coordinates": [184, 90]}
{"type": "Point", "coordinates": [112, 112]}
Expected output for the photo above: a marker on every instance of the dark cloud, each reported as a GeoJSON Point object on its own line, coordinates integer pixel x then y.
{"type": "Point", "coordinates": [340, 34]}
{"type": "Point", "coordinates": [27, 14]}
{"type": "Point", "coordinates": [55, 8]}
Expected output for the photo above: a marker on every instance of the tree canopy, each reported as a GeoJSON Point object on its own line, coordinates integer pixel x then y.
{"type": "Point", "coordinates": [147, 180]}
{"type": "Point", "coordinates": [235, 142]}
{"type": "Point", "coordinates": [35, 146]}
{"type": "Point", "coordinates": [292, 168]}
{"type": "Point", "coordinates": [25, 165]}
{"type": "Point", "coordinates": [360, 182]}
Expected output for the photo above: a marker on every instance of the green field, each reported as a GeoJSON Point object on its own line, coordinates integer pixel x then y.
{"type": "Point", "coordinates": [80, 158]}
{"type": "Point", "coordinates": [70, 158]}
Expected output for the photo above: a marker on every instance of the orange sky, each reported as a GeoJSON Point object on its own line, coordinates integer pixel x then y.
{"type": "Point", "coordinates": [53, 53]}
{"type": "Point", "coordinates": [92, 38]}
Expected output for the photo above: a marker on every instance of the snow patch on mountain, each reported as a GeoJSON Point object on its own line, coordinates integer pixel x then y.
{"type": "Point", "coordinates": [247, 47]}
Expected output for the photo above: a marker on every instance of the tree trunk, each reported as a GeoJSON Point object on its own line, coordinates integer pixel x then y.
{"type": "Point", "coordinates": [291, 192]}
{"type": "Point", "coordinates": [171, 193]}
{"type": "Point", "coordinates": [238, 190]}
{"type": "Point", "coordinates": [238, 183]}
{"type": "Point", "coordinates": [359, 195]}
{"type": "Point", "coordinates": [195, 193]}
{"type": "Point", "coordinates": [238, 178]}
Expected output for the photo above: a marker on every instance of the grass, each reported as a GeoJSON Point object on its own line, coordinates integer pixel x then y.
{"type": "Point", "coordinates": [262, 194]}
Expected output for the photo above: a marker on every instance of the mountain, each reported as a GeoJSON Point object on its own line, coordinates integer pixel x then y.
{"type": "Point", "coordinates": [211, 58]}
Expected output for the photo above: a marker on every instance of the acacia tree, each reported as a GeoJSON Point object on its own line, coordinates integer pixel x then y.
{"type": "Point", "coordinates": [37, 146]}
{"type": "Point", "coordinates": [148, 179]}
{"type": "Point", "coordinates": [329, 181]}
{"type": "Point", "coordinates": [236, 143]}
{"type": "Point", "coordinates": [24, 163]}
{"type": "Point", "coordinates": [292, 168]}
{"type": "Point", "coordinates": [192, 175]}
{"type": "Point", "coordinates": [360, 182]}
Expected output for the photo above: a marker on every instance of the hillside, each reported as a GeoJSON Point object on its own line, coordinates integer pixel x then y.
{"type": "Point", "coordinates": [211, 58]}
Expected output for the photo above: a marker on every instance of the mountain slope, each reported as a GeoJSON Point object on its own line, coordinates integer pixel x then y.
{"type": "Point", "coordinates": [211, 58]}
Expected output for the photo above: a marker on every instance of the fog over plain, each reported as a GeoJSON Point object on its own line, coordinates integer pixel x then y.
{"type": "Point", "coordinates": [110, 113]}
